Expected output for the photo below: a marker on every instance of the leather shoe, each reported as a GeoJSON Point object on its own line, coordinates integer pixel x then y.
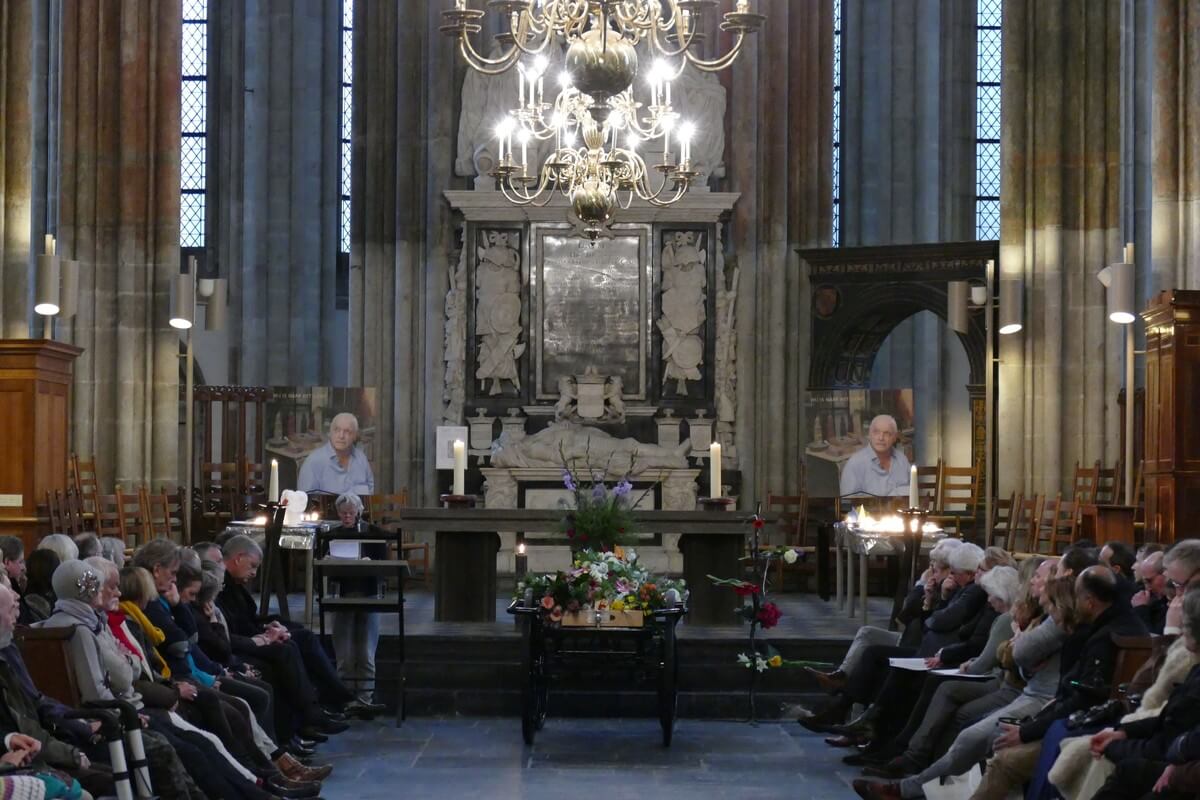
{"type": "Point", "coordinates": [870, 790]}
{"type": "Point", "coordinates": [291, 768]}
{"type": "Point", "coordinates": [845, 741]}
{"type": "Point", "coordinates": [313, 734]}
{"type": "Point", "coordinates": [335, 714]}
{"type": "Point", "coordinates": [363, 710]}
{"type": "Point", "coordinates": [331, 726]}
{"type": "Point", "coordinates": [287, 788]}
{"type": "Point", "coordinates": [829, 681]}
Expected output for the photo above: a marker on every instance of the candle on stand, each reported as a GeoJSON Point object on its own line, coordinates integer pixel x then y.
{"type": "Point", "coordinates": [714, 469]}
{"type": "Point", "coordinates": [273, 486]}
{"type": "Point", "coordinates": [912, 487]}
{"type": "Point", "coordinates": [460, 468]}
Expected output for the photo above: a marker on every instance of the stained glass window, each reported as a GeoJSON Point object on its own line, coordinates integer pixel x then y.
{"type": "Point", "coordinates": [837, 122]}
{"type": "Point", "coordinates": [193, 155]}
{"type": "Point", "coordinates": [347, 83]}
{"type": "Point", "coordinates": [987, 120]}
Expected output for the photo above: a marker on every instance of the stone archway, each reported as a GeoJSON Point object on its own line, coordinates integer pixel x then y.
{"type": "Point", "coordinates": [860, 295]}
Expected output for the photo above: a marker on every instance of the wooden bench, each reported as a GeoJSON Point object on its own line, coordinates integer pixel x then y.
{"type": "Point", "coordinates": [45, 654]}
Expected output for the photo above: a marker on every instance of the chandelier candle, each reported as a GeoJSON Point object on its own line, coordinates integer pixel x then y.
{"type": "Point", "coordinates": [273, 485]}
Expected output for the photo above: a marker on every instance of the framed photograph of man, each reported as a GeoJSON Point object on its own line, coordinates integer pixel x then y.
{"type": "Point", "coordinates": [298, 419]}
{"type": "Point", "coordinates": [839, 421]}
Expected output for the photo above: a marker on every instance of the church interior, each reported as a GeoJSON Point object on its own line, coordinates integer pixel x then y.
{"type": "Point", "coordinates": [493, 398]}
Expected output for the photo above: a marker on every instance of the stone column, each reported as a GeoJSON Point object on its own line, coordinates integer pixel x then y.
{"type": "Point", "coordinates": [1059, 224]}
{"type": "Point", "coordinates": [779, 157]}
{"type": "Point", "coordinates": [16, 177]}
{"type": "Point", "coordinates": [1175, 148]}
{"type": "Point", "coordinates": [407, 79]}
{"type": "Point", "coordinates": [119, 214]}
{"type": "Point", "coordinates": [275, 186]}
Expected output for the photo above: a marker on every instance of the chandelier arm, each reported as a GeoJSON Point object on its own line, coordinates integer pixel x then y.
{"type": "Point", "coordinates": [721, 62]}
{"type": "Point", "coordinates": [483, 64]}
{"type": "Point", "coordinates": [665, 51]}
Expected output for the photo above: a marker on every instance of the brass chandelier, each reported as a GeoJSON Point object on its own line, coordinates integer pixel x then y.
{"type": "Point", "coordinates": [596, 122]}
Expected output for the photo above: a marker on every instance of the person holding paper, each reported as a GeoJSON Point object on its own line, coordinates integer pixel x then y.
{"type": "Point", "coordinates": [880, 468]}
{"type": "Point", "coordinates": [339, 465]}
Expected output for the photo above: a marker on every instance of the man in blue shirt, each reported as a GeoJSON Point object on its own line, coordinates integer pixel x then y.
{"type": "Point", "coordinates": [338, 466]}
{"type": "Point", "coordinates": [880, 468]}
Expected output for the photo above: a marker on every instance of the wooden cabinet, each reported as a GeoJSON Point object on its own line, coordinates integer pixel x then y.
{"type": "Point", "coordinates": [1172, 446]}
{"type": "Point", "coordinates": [35, 412]}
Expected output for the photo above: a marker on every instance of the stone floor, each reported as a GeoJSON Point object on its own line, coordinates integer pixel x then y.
{"type": "Point", "coordinates": [485, 758]}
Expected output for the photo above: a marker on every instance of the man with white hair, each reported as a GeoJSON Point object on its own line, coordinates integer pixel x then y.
{"type": "Point", "coordinates": [879, 469]}
{"type": "Point", "coordinates": [338, 466]}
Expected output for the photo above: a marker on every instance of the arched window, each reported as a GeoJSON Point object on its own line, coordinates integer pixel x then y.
{"type": "Point", "coordinates": [193, 153]}
{"type": "Point", "coordinates": [987, 119]}
{"type": "Point", "coordinates": [347, 85]}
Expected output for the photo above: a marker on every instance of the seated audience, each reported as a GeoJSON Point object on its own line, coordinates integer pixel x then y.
{"type": "Point", "coordinates": [113, 549]}
{"type": "Point", "coordinates": [1150, 603]}
{"type": "Point", "coordinates": [1120, 558]}
{"type": "Point", "coordinates": [12, 550]}
{"type": "Point", "coordinates": [996, 557]}
{"type": "Point", "coordinates": [37, 601]}
{"type": "Point", "coordinates": [1182, 565]}
{"type": "Point", "coordinates": [61, 545]}
{"type": "Point", "coordinates": [88, 545]}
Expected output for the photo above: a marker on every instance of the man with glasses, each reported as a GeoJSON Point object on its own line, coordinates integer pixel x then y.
{"type": "Point", "coordinates": [1182, 565]}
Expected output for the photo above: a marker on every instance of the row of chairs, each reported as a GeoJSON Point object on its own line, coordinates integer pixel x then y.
{"type": "Point", "coordinates": [135, 517]}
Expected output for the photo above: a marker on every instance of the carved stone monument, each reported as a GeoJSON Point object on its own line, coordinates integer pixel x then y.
{"type": "Point", "coordinates": [498, 311]}
{"type": "Point", "coordinates": [684, 282]}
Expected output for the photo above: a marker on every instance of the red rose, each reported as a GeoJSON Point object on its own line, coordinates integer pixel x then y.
{"type": "Point", "coordinates": [758, 523]}
{"type": "Point", "coordinates": [768, 615]}
{"type": "Point", "coordinates": [570, 533]}
{"type": "Point", "coordinates": [745, 589]}
{"type": "Point", "coordinates": [583, 537]}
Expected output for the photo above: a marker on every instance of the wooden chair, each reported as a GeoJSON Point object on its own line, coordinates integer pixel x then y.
{"type": "Point", "coordinates": [44, 651]}
{"type": "Point", "coordinates": [1132, 652]}
{"type": "Point", "coordinates": [1004, 512]}
{"type": "Point", "coordinates": [164, 517]}
{"type": "Point", "coordinates": [108, 516]}
{"type": "Point", "coordinates": [254, 485]}
{"type": "Point", "coordinates": [58, 522]}
{"type": "Point", "coordinates": [134, 517]}
{"type": "Point", "coordinates": [793, 524]}
{"type": "Point", "coordinates": [928, 484]}
{"type": "Point", "coordinates": [958, 498]}
{"type": "Point", "coordinates": [72, 512]}
{"type": "Point", "coordinates": [1022, 536]}
{"type": "Point", "coordinates": [1066, 525]}
{"type": "Point", "coordinates": [1139, 505]}
{"type": "Point", "coordinates": [384, 510]}
{"type": "Point", "coordinates": [220, 485]}
{"type": "Point", "coordinates": [1043, 543]}
{"type": "Point", "coordinates": [1085, 483]}
{"type": "Point", "coordinates": [1110, 485]}
{"type": "Point", "coordinates": [83, 479]}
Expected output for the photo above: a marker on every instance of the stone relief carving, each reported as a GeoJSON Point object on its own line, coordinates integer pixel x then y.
{"type": "Point", "coordinates": [500, 492]}
{"type": "Point", "coordinates": [454, 388]}
{"type": "Point", "coordinates": [684, 284]}
{"type": "Point", "coordinates": [498, 311]}
{"type": "Point", "coordinates": [590, 397]}
{"type": "Point", "coordinates": [679, 495]}
{"type": "Point", "coordinates": [588, 447]}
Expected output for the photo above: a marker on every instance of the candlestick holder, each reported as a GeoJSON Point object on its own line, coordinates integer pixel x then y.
{"type": "Point", "coordinates": [458, 500]}
{"type": "Point", "coordinates": [913, 533]}
{"type": "Point", "coordinates": [716, 503]}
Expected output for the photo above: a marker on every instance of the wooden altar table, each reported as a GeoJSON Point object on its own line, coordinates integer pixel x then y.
{"type": "Point", "coordinates": [465, 572]}
{"type": "Point", "coordinates": [1104, 522]}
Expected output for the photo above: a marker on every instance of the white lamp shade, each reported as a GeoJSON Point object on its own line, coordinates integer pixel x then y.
{"type": "Point", "coordinates": [69, 295]}
{"type": "Point", "coordinates": [218, 301]}
{"type": "Point", "coordinates": [957, 316]}
{"type": "Point", "coordinates": [46, 294]}
{"type": "Point", "coordinates": [1012, 306]}
{"type": "Point", "coordinates": [979, 295]}
{"type": "Point", "coordinates": [1120, 294]}
{"type": "Point", "coordinates": [183, 305]}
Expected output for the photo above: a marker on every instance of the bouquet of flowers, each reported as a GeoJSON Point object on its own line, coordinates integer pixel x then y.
{"type": "Point", "coordinates": [611, 580]}
{"type": "Point", "coordinates": [599, 517]}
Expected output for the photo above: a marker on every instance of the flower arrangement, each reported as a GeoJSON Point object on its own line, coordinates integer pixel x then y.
{"type": "Point", "coordinates": [599, 516]}
{"type": "Point", "coordinates": [610, 580]}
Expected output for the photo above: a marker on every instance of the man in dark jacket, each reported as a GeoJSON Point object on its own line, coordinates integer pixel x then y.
{"type": "Point", "coordinates": [1026, 751]}
{"type": "Point", "coordinates": [292, 659]}
{"type": "Point", "coordinates": [1151, 602]}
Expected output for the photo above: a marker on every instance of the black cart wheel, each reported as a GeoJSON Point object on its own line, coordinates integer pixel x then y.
{"type": "Point", "coordinates": [668, 683]}
{"type": "Point", "coordinates": [533, 688]}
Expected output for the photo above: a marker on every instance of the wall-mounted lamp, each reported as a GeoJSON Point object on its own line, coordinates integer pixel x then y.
{"type": "Point", "coordinates": [183, 302]}
{"type": "Point", "coordinates": [46, 291]}
{"type": "Point", "coordinates": [979, 294]}
{"type": "Point", "coordinates": [957, 314]}
{"type": "Point", "coordinates": [1012, 305]}
{"type": "Point", "coordinates": [216, 292]}
{"type": "Point", "coordinates": [1119, 280]}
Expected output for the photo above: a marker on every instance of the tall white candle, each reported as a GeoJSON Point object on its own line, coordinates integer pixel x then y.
{"type": "Point", "coordinates": [714, 469]}
{"type": "Point", "coordinates": [460, 468]}
{"type": "Point", "coordinates": [273, 486]}
{"type": "Point", "coordinates": [912, 487]}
